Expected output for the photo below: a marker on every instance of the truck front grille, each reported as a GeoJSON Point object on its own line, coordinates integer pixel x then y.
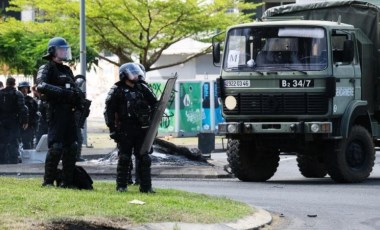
{"type": "Point", "coordinates": [280, 104]}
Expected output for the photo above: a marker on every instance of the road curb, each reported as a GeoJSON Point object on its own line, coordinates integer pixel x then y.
{"type": "Point", "coordinates": [256, 221]}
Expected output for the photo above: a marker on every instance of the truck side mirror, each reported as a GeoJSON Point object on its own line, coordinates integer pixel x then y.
{"type": "Point", "coordinates": [216, 53]}
{"type": "Point", "coordinates": [348, 51]}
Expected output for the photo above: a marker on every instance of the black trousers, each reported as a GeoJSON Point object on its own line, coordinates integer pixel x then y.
{"type": "Point", "coordinates": [62, 143]}
{"type": "Point", "coordinates": [9, 145]}
{"type": "Point", "coordinates": [129, 144]}
{"type": "Point", "coordinates": [27, 137]}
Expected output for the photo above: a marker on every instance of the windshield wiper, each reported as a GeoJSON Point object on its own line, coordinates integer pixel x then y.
{"type": "Point", "coordinates": [289, 68]}
{"type": "Point", "coordinates": [244, 67]}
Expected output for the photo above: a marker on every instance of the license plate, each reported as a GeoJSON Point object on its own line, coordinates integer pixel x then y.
{"type": "Point", "coordinates": [297, 83]}
{"type": "Point", "coordinates": [237, 83]}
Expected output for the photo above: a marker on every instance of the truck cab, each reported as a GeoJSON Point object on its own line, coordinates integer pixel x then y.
{"type": "Point", "coordinates": [296, 86]}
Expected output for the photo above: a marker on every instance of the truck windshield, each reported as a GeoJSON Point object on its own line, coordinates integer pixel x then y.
{"type": "Point", "coordinates": [276, 49]}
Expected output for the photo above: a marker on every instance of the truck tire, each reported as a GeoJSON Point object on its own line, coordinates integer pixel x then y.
{"type": "Point", "coordinates": [311, 167]}
{"type": "Point", "coordinates": [247, 164]}
{"type": "Point", "coordinates": [352, 159]}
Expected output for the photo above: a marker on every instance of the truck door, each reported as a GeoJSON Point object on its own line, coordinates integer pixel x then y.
{"type": "Point", "coordinates": [345, 70]}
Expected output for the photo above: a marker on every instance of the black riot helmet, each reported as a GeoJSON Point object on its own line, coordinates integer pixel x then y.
{"type": "Point", "coordinates": [131, 71]}
{"type": "Point", "coordinates": [58, 47]}
{"type": "Point", "coordinates": [143, 69]}
{"type": "Point", "coordinates": [24, 84]}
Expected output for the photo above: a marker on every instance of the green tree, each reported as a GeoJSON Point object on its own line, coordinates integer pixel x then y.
{"type": "Point", "coordinates": [20, 47]}
{"type": "Point", "coordinates": [142, 29]}
{"type": "Point", "coordinates": [23, 44]}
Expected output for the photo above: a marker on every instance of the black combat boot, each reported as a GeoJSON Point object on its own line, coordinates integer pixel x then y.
{"type": "Point", "coordinates": [137, 171]}
{"type": "Point", "coordinates": [145, 177]}
{"type": "Point", "coordinates": [68, 167]}
{"type": "Point", "coordinates": [53, 157]}
{"type": "Point", "coordinates": [129, 177]}
{"type": "Point", "coordinates": [121, 188]}
{"type": "Point", "coordinates": [122, 172]}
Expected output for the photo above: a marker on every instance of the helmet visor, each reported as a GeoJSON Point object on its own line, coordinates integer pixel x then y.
{"type": "Point", "coordinates": [63, 53]}
{"type": "Point", "coordinates": [134, 72]}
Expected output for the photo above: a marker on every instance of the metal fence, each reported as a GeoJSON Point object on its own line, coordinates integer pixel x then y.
{"type": "Point", "coordinates": [19, 78]}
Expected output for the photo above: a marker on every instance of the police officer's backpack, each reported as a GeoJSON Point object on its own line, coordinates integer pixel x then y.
{"type": "Point", "coordinates": [81, 178]}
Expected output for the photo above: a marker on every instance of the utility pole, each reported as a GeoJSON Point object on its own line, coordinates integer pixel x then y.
{"type": "Point", "coordinates": [82, 57]}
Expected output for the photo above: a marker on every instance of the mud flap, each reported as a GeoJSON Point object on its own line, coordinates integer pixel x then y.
{"type": "Point", "coordinates": [157, 116]}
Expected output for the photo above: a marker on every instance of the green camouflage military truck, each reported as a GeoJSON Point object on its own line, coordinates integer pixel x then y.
{"type": "Point", "coordinates": [305, 80]}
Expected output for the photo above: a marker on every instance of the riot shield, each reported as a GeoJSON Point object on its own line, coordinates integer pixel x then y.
{"type": "Point", "coordinates": [157, 116]}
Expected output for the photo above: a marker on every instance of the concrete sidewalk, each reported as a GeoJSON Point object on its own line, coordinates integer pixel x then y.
{"type": "Point", "coordinates": [213, 170]}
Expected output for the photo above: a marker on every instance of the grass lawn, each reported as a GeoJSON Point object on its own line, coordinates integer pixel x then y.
{"type": "Point", "coordinates": [24, 204]}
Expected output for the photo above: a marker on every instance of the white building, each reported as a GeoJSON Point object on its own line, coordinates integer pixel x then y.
{"type": "Point", "coordinates": [199, 68]}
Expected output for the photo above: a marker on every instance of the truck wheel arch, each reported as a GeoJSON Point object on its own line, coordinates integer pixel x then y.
{"type": "Point", "coordinates": [356, 113]}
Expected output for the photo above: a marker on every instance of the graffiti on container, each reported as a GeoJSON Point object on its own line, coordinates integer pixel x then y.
{"type": "Point", "coordinates": [193, 116]}
{"type": "Point", "coordinates": [166, 121]}
{"type": "Point", "coordinates": [157, 89]}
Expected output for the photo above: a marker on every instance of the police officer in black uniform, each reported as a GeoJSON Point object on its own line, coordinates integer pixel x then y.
{"type": "Point", "coordinates": [129, 107]}
{"type": "Point", "coordinates": [27, 135]}
{"type": "Point", "coordinates": [12, 112]}
{"type": "Point", "coordinates": [55, 83]}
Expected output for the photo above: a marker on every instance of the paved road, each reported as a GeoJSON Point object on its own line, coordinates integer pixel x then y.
{"type": "Point", "coordinates": [303, 203]}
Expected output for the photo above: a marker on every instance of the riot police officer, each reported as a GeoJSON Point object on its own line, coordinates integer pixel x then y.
{"type": "Point", "coordinates": [27, 135]}
{"type": "Point", "coordinates": [55, 83]}
{"type": "Point", "coordinates": [12, 112]}
{"type": "Point", "coordinates": [129, 107]}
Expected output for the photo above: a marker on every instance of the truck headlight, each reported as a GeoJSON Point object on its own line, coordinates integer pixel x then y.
{"type": "Point", "coordinates": [230, 102]}
{"type": "Point", "coordinates": [314, 128]}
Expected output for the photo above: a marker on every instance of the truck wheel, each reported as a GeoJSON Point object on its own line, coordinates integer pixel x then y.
{"type": "Point", "coordinates": [351, 160]}
{"type": "Point", "coordinates": [247, 164]}
{"type": "Point", "coordinates": [311, 167]}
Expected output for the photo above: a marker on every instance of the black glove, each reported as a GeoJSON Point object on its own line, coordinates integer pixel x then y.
{"type": "Point", "coordinates": [139, 86]}
{"type": "Point", "coordinates": [73, 97]}
{"type": "Point", "coordinates": [116, 135]}
{"type": "Point", "coordinates": [69, 94]}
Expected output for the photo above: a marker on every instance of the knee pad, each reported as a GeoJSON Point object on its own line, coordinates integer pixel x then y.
{"type": "Point", "coordinates": [73, 148]}
{"type": "Point", "coordinates": [124, 158]}
{"type": "Point", "coordinates": [145, 161]}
